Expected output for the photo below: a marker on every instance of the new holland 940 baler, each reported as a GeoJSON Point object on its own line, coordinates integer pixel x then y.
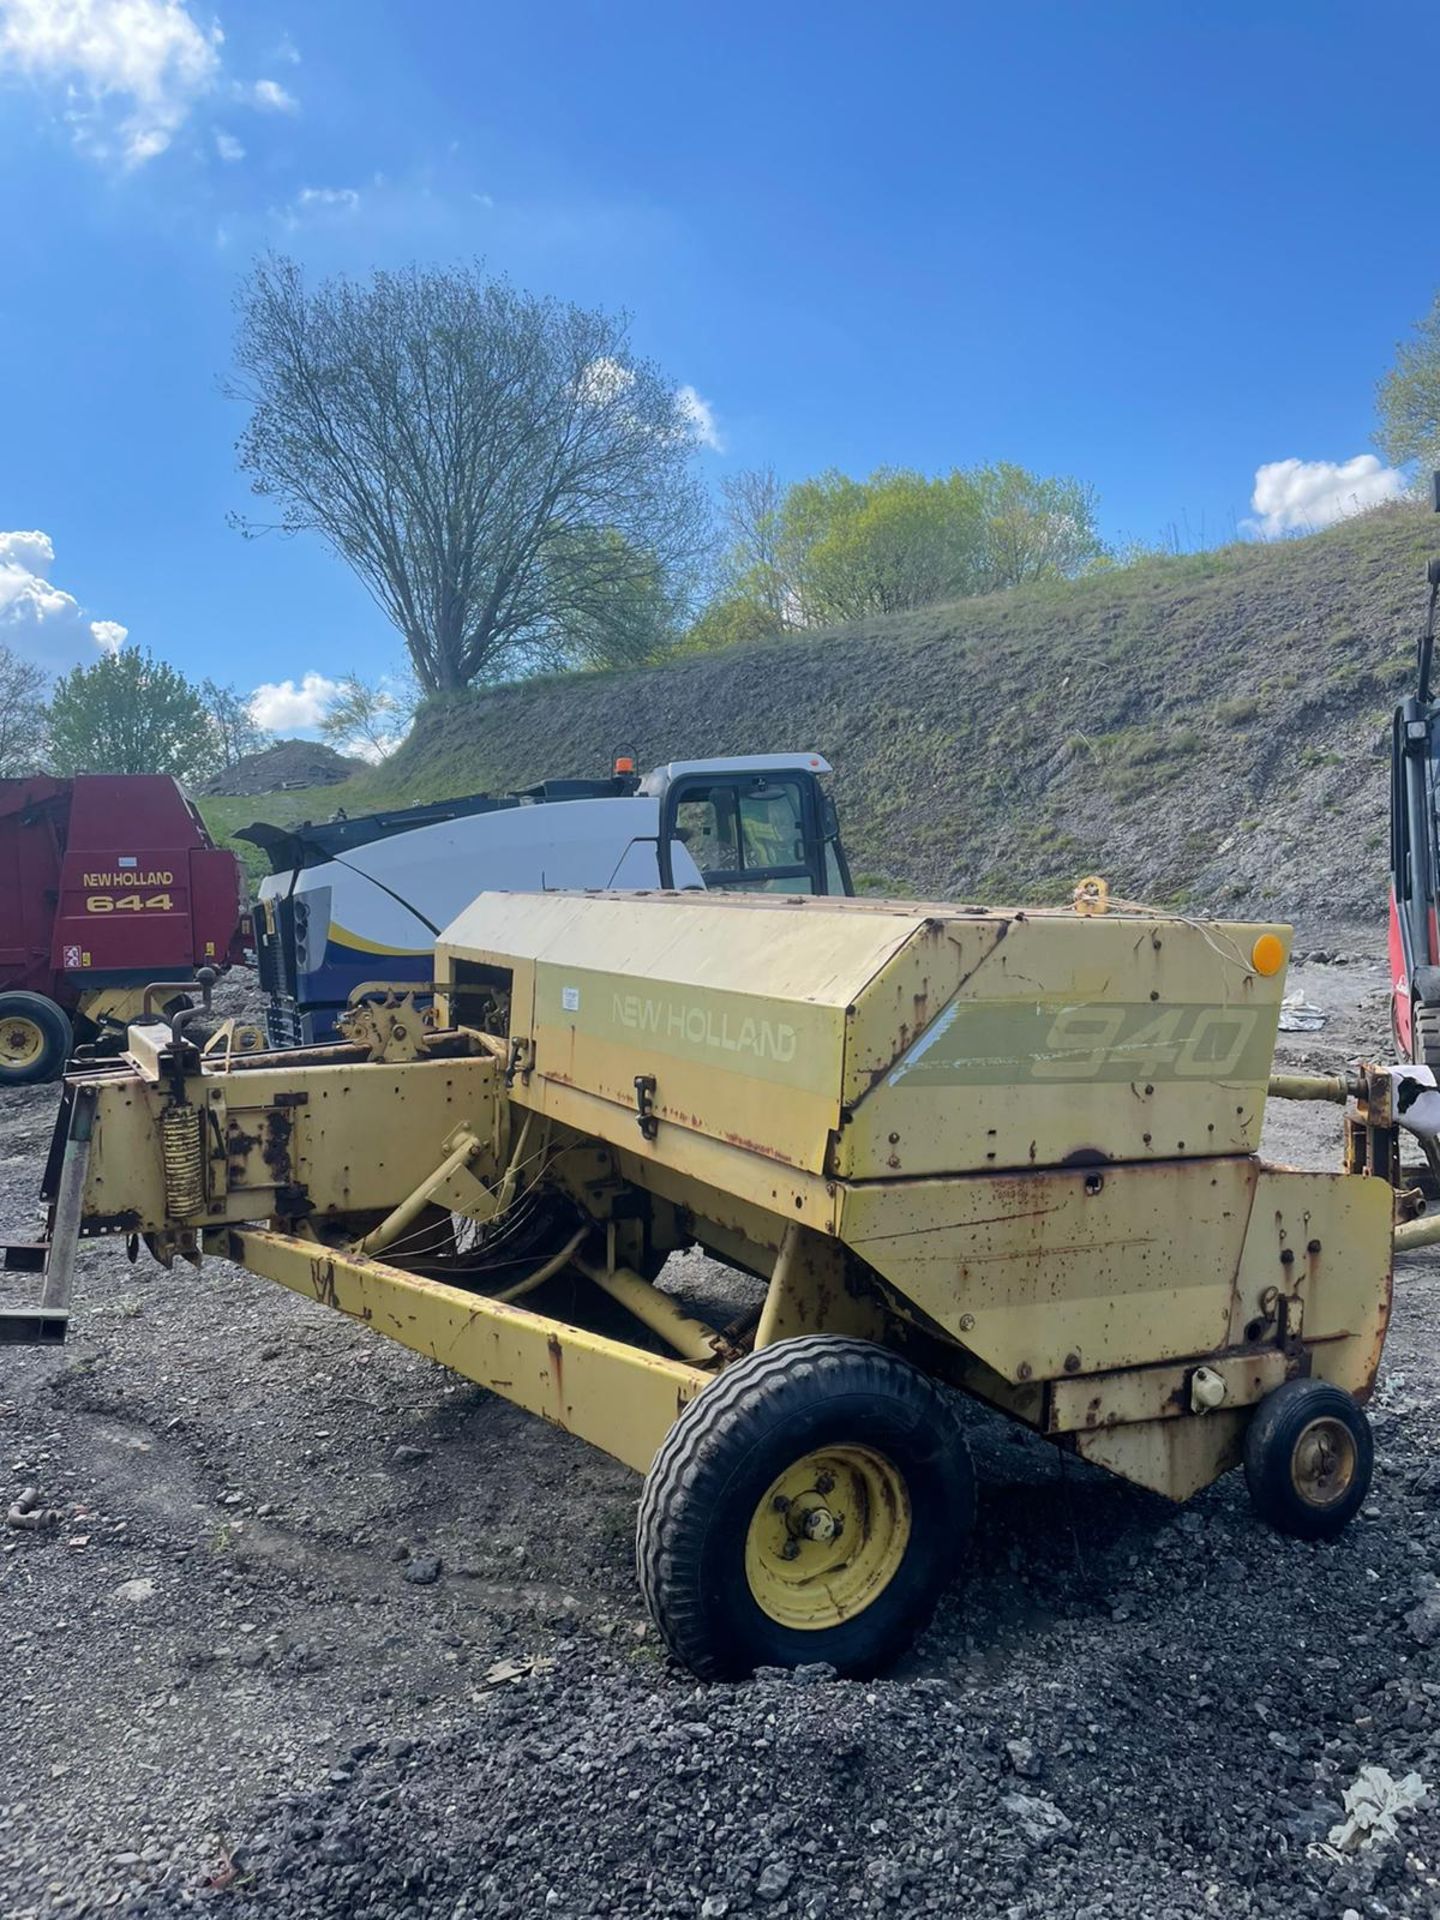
{"type": "Point", "coordinates": [1011, 1153]}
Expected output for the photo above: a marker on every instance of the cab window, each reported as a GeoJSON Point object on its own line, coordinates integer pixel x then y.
{"type": "Point", "coordinates": [748, 837]}
{"type": "Point", "coordinates": [706, 823]}
{"type": "Point", "coordinates": [772, 835]}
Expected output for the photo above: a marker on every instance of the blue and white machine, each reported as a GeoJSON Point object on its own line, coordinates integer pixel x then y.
{"type": "Point", "coordinates": [350, 902]}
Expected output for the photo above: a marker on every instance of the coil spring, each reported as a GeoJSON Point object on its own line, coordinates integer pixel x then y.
{"type": "Point", "coordinates": [182, 1151]}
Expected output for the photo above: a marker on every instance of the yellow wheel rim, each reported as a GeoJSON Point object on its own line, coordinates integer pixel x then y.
{"type": "Point", "coordinates": [1323, 1463]}
{"type": "Point", "coordinates": [21, 1041]}
{"type": "Point", "coordinates": [828, 1537]}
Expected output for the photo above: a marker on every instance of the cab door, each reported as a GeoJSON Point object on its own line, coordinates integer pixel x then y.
{"type": "Point", "coordinates": [752, 832]}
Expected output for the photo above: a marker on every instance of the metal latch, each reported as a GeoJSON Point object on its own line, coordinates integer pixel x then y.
{"type": "Point", "coordinates": [645, 1116]}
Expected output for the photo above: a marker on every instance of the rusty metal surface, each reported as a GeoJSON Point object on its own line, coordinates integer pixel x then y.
{"type": "Point", "coordinates": [1160, 1393]}
{"type": "Point", "coordinates": [615, 1396]}
{"type": "Point", "coordinates": [329, 1139]}
{"type": "Point", "coordinates": [1049, 1041]}
{"type": "Point", "coordinates": [1172, 1457]}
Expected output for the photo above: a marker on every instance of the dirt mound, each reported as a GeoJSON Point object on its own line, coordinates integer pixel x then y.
{"type": "Point", "coordinates": [289, 763]}
{"type": "Point", "coordinates": [1207, 730]}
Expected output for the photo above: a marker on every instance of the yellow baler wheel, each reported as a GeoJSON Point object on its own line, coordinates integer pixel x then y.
{"type": "Point", "coordinates": [828, 1537]}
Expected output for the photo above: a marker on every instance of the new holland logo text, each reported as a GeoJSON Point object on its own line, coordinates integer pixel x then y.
{"type": "Point", "coordinates": [130, 879]}
{"type": "Point", "coordinates": [702, 1026]}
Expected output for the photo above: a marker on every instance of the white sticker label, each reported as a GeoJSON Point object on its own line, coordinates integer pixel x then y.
{"type": "Point", "coordinates": [72, 956]}
{"type": "Point", "coordinates": [570, 999]}
{"type": "Point", "coordinates": [127, 860]}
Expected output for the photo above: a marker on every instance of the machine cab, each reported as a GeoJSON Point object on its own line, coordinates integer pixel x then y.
{"type": "Point", "coordinates": [758, 823]}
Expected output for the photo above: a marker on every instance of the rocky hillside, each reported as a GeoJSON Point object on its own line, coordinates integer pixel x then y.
{"type": "Point", "coordinates": [1204, 730]}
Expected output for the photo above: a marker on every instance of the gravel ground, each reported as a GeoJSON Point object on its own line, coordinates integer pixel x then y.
{"type": "Point", "coordinates": [322, 1630]}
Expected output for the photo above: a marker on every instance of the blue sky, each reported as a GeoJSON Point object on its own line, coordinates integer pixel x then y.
{"type": "Point", "coordinates": [1155, 245]}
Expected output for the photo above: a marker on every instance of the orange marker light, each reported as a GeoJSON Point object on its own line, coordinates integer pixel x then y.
{"type": "Point", "coordinates": [623, 763]}
{"type": "Point", "coordinates": [1267, 956]}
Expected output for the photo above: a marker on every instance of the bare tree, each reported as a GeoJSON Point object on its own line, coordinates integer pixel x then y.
{"type": "Point", "coordinates": [756, 564]}
{"type": "Point", "coordinates": [22, 714]}
{"type": "Point", "coordinates": [367, 719]}
{"type": "Point", "coordinates": [237, 733]}
{"type": "Point", "coordinates": [502, 473]}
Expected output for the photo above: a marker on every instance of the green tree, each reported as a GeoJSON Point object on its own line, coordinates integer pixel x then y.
{"type": "Point", "coordinates": [853, 548]}
{"type": "Point", "coordinates": [833, 549]}
{"type": "Point", "coordinates": [236, 732]}
{"type": "Point", "coordinates": [1033, 527]}
{"type": "Point", "coordinates": [22, 714]}
{"type": "Point", "coordinates": [506, 477]}
{"type": "Point", "coordinates": [727, 623]}
{"type": "Point", "coordinates": [129, 713]}
{"type": "Point", "coordinates": [1409, 396]}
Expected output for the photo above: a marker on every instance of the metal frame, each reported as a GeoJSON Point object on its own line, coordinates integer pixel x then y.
{"type": "Point", "coordinates": [46, 1322]}
{"type": "Point", "coordinates": [616, 1396]}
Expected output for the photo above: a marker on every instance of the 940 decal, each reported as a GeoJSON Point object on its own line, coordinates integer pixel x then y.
{"type": "Point", "coordinates": [1004, 1043]}
{"type": "Point", "coordinates": [1182, 1043]}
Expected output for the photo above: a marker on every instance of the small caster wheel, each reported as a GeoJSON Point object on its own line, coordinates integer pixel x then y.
{"type": "Point", "coordinates": [1309, 1456]}
{"type": "Point", "coordinates": [812, 1505]}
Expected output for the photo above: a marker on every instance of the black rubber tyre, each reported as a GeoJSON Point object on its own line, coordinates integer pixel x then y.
{"type": "Point", "coordinates": [35, 1039]}
{"type": "Point", "coordinates": [707, 1513]}
{"type": "Point", "coordinates": [1309, 1457]}
{"type": "Point", "coordinates": [1425, 1026]}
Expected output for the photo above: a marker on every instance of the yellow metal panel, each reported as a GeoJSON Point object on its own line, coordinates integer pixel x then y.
{"type": "Point", "coordinates": [1027, 1040]}
{"type": "Point", "coordinates": [734, 1007]}
{"type": "Point", "coordinates": [357, 1137]}
{"type": "Point", "coordinates": [1159, 1393]}
{"type": "Point", "coordinates": [1173, 1457]}
{"type": "Point", "coordinates": [618, 1398]}
{"type": "Point", "coordinates": [689, 1167]}
{"type": "Point", "coordinates": [1319, 1249]}
{"type": "Point", "coordinates": [1064, 1272]}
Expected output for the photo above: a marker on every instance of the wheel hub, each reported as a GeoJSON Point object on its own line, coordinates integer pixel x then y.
{"type": "Point", "coordinates": [828, 1537]}
{"type": "Point", "coordinates": [1323, 1463]}
{"type": "Point", "coordinates": [21, 1041]}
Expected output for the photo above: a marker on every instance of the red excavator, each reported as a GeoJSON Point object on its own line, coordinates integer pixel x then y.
{"type": "Point", "coordinates": [108, 882]}
{"type": "Point", "coordinates": [1414, 874]}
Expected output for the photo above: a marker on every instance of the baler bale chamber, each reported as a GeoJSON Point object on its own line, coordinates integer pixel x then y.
{"type": "Point", "coordinates": [1013, 1153]}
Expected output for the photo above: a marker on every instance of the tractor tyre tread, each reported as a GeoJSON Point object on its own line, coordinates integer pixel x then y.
{"type": "Point", "coordinates": [728, 1423]}
{"type": "Point", "coordinates": [1425, 1025]}
{"type": "Point", "coordinates": [1274, 1428]}
{"type": "Point", "coordinates": [59, 1038]}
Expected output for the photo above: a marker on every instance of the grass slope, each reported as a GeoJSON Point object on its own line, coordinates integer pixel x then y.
{"type": "Point", "coordinates": [1205, 730]}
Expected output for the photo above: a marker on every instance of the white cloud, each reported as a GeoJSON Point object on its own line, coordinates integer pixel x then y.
{"type": "Point", "coordinates": [699, 417]}
{"type": "Point", "coordinates": [271, 97]}
{"type": "Point", "coordinates": [127, 71]}
{"type": "Point", "coordinates": [335, 199]}
{"type": "Point", "coordinates": [228, 147]}
{"type": "Point", "coordinates": [606, 379]}
{"type": "Point", "coordinates": [40, 621]}
{"type": "Point", "coordinates": [282, 707]}
{"type": "Point", "coordinates": [109, 635]}
{"type": "Point", "coordinates": [1301, 496]}
{"type": "Point", "coordinates": [287, 51]}
{"type": "Point", "coordinates": [317, 203]}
